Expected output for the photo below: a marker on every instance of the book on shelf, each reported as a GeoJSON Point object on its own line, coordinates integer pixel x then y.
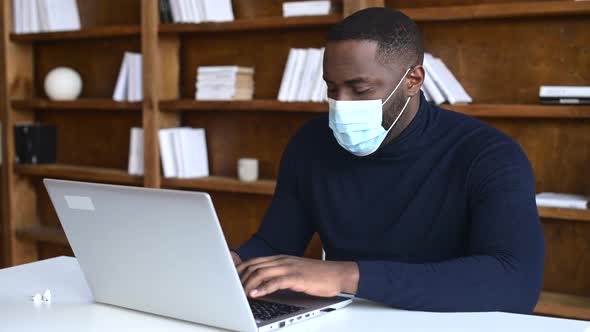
{"type": "Point", "coordinates": [561, 200]}
{"type": "Point", "coordinates": [129, 85]}
{"type": "Point", "coordinates": [35, 143]}
{"type": "Point", "coordinates": [165, 12]}
{"type": "Point", "coordinates": [32, 16]}
{"type": "Point", "coordinates": [442, 83]}
{"type": "Point", "coordinates": [224, 83]}
{"type": "Point", "coordinates": [565, 101]}
{"type": "Point", "coordinates": [195, 11]}
{"type": "Point", "coordinates": [431, 91]}
{"type": "Point", "coordinates": [135, 164]}
{"type": "Point", "coordinates": [306, 8]}
{"type": "Point", "coordinates": [303, 77]}
{"type": "Point", "coordinates": [564, 95]}
{"type": "Point", "coordinates": [183, 152]}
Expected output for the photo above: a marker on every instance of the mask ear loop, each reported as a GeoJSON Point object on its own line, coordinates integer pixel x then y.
{"type": "Point", "coordinates": [393, 124]}
{"type": "Point", "coordinates": [397, 86]}
{"type": "Point", "coordinates": [400, 114]}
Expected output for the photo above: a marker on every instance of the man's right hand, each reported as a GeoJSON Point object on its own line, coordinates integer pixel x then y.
{"type": "Point", "coordinates": [237, 260]}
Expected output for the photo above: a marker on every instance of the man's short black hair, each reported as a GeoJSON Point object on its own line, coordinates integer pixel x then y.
{"type": "Point", "coordinates": [398, 37]}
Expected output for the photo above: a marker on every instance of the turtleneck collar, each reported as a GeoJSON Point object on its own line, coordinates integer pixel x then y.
{"type": "Point", "coordinates": [412, 137]}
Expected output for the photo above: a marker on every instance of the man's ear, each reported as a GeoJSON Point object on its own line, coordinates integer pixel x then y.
{"type": "Point", "coordinates": [415, 79]}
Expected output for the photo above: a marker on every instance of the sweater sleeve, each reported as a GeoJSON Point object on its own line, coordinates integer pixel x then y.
{"type": "Point", "coordinates": [286, 228]}
{"type": "Point", "coordinates": [504, 268]}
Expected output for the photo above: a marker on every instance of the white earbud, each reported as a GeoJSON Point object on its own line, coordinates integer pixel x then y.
{"type": "Point", "coordinates": [47, 296]}
{"type": "Point", "coordinates": [36, 298]}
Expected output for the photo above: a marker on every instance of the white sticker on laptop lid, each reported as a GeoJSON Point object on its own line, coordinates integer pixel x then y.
{"type": "Point", "coordinates": [79, 203]}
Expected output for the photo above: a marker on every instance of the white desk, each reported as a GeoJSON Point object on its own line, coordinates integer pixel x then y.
{"type": "Point", "coordinates": [73, 309]}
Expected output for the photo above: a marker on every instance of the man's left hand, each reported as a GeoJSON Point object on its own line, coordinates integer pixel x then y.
{"type": "Point", "coordinates": [266, 275]}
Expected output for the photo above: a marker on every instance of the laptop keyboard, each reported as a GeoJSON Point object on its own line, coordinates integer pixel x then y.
{"type": "Point", "coordinates": [264, 310]}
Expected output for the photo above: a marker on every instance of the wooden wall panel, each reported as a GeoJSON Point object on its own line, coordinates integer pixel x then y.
{"type": "Point", "coordinates": [48, 217]}
{"type": "Point", "coordinates": [440, 3]}
{"type": "Point", "coordinates": [234, 135]}
{"type": "Point", "coordinates": [98, 61]}
{"type": "Point", "coordinates": [567, 261]}
{"type": "Point", "coordinates": [92, 138]}
{"type": "Point", "coordinates": [266, 51]}
{"type": "Point", "coordinates": [240, 215]}
{"type": "Point", "coordinates": [505, 61]}
{"type": "Point", "coordinates": [109, 12]}
{"type": "Point", "coordinates": [169, 51]}
{"type": "Point", "coordinates": [47, 214]}
{"type": "Point", "coordinates": [559, 151]}
{"type": "Point", "coordinates": [47, 250]}
{"type": "Point", "coordinates": [352, 6]}
{"type": "Point", "coordinates": [529, 52]}
{"type": "Point", "coordinates": [251, 9]}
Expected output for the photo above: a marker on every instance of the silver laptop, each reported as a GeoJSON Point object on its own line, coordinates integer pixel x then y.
{"type": "Point", "coordinates": [163, 252]}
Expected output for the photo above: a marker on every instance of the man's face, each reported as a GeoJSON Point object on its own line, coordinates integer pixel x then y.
{"type": "Point", "coordinates": [353, 72]}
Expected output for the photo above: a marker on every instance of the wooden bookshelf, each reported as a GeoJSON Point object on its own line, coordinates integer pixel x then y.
{"type": "Point", "coordinates": [476, 110]}
{"type": "Point", "coordinates": [498, 10]}
{"type": "Point", "coordinates": [99, 32]}
{"type": "Point", "coordinates": [41, 233]}
{"type": "Point", "coordinates": [563, 305]}
{"type": "Point", "coordinates": [564, 214]}
{"type": "Point", "coordinates": [79, 173]}
{"type": "Point", "coordinates": [189, 105]}
{"type": "Point", "coordinates": [262, 23]}
{"type": "Point", "coordinates": [222, 184]}
{"type": "Point", "coordinates": [79, 104]}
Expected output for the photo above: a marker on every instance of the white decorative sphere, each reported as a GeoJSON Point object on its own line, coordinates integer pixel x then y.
{"type": "Point", "coordinates": [63, 83]}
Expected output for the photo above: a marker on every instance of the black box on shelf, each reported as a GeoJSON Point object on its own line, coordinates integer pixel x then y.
{"type": "Point", "coordinates": [34, 143]}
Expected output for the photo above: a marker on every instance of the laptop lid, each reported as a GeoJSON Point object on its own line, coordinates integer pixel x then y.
{"type": "Point", "coordinates": [153, 250]}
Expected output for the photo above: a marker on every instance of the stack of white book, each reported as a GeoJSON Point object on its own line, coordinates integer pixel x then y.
{"type": "Point", "coordinates": [303, 76]}
{"type": "Point", "coordinates": [183, 152]}
{"type": "Point", "coordinates": [440, 84]}
{"type": "Point", "coordinates": [564, 95]}
{"type": "Point", "coordinates": [306, 8]}
{"type": "Point", "coordinates": [32, 16]}
{"type": "Point", "coordinates": [224, 83]}
{"type": "Point", "coordinates": [130, 81]}
{"type": "Point", "coordinates": [135, 165]}
{"type": "Point", "coordinates": [558, 200]}
{"type": "Point", "coordinates": [198, 11]}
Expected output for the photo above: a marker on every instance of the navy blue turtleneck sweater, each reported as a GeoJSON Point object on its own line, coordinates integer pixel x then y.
{"type": "Point", "coordinates": [443, 218]}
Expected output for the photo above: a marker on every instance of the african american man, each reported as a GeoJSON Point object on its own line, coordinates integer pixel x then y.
{"type": "Point", "coordinates": [417, 207]}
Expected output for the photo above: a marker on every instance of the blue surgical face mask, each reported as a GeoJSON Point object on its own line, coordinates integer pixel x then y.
{"type": "Point", "coordinates": [356, 124]}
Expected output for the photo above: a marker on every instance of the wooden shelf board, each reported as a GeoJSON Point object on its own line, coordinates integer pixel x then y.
{"type": "Point", "coordinates": [262, 23]}
{"type": "Point", "coordinates": [498, 10]}
{"type": "Point", "coordinates": [85, 33]}
{"type": "Point", "coordinates": [247, 105]}
{"type": "Point", "coordinates": [223, 184]}
{"type": "Point", "coordinates": [79, 173]}
{"type": "Point", "coordinates": [564, 214]}
{"type": "Point", "coordinates": [476, 110]}
{"type": "Point", "coordinates": [563, 305]}
{"type": "Point", "coordinates": [41, 233]}
{"type": "Point", "coordinates": [522, 110]}
{"type": "Point", "coordinates": [80, 104]}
